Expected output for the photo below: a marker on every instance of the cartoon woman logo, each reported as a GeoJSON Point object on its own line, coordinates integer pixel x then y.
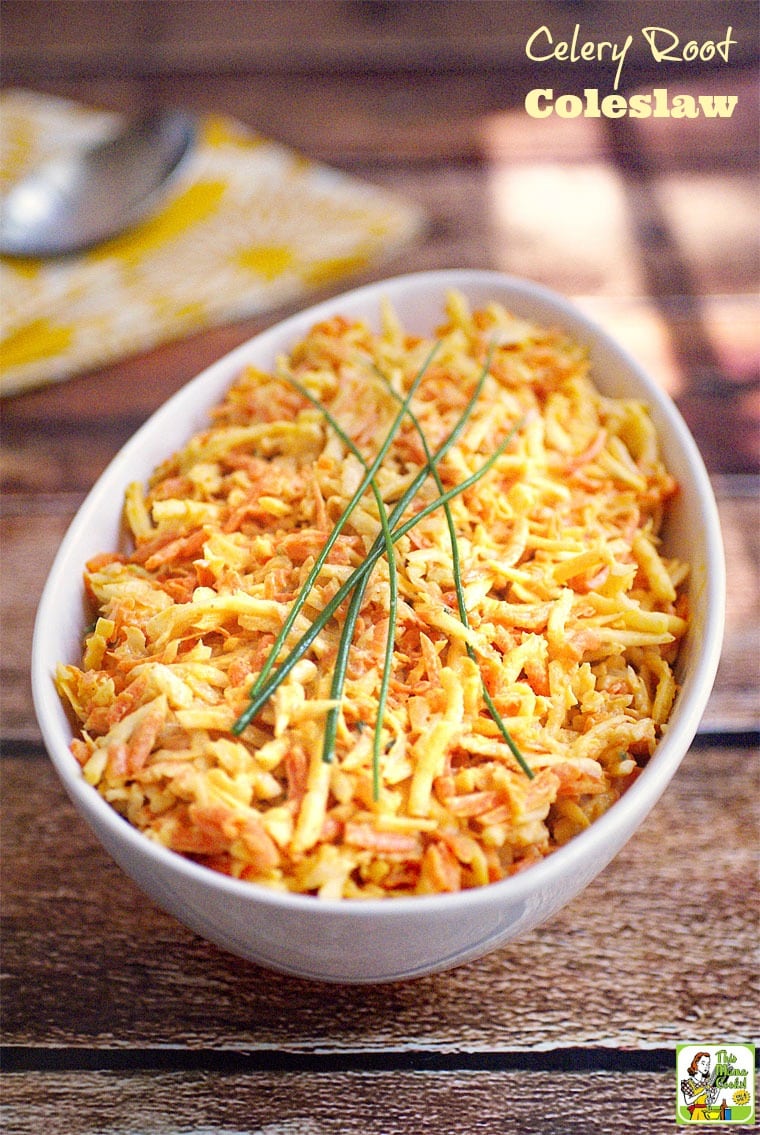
{"type": "Point", "coordinates": [699, 1090]}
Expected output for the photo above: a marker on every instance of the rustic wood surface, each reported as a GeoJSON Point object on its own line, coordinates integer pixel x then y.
{"type": "Point", "coordinates": [482, 1102]}
{"type": "Point", "coordinates": [115, 1018]}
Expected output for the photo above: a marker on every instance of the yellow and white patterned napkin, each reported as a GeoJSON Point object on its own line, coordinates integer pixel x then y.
{"type": "Point", "coordinates": [249, 225]}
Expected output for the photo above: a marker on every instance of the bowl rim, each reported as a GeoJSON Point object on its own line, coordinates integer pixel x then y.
{"type": "Point", "coordinates": [593, 843]}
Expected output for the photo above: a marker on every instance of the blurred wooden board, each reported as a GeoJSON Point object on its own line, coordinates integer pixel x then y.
{"type": "Point", "coordinates": [131, 37]}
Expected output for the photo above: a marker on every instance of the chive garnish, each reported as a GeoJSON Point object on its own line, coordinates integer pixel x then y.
{"type": "Point", "coordinates": [327, 548]}
{"type": "Point", "coordinates": [340, 666]}
{"type": "Point", "coordinates": [374, 554]}
{"type": "Point", "coordinates": [457, 574]}
{"type": "Point", "coordinates": [266, 683]}
{"type": "Point", "coordinates": [339, 670]}
{"type": "Point", "coordinates": [341, 663]}
{"type": "Point", "coordinates": [356, 584]}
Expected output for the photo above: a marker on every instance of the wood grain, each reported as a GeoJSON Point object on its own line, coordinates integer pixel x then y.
{"type": "Point", "coordinates": [194, 36]}
{"type": "Point", "coordinates": [89, 961]}
{"type": "Point", "coordinates": [342, 1103]}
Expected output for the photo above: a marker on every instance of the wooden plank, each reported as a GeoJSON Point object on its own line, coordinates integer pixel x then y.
{"type": "Point", "coordinates": [129, 36]}
{"type": "Point", "coordinates": [341, 1103]}
{"type": "Point", "coordinates": [737, 685]}
{"type": "Point", "coordinates": [657, 949]}
{"type": "Point", "coordinates": [471, 114]}
{"type": "Point", "coordinates": [33, 528]}
{"type": "Point", "coordinates": [28, 551]}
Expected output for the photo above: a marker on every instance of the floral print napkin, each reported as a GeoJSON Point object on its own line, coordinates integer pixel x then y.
{"type": "Point", "coordinates": [249, 225]}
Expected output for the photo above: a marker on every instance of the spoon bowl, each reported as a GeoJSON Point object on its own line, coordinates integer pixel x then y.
{"type": "Point", "coordinates": [77, 200]}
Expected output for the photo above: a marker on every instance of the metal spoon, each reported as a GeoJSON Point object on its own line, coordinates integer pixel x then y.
{"type": "Point", "coordinates": [75, 201]}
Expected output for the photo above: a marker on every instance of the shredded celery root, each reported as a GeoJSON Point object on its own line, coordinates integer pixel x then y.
{"type": "Point", "coordinates": [496, 667]}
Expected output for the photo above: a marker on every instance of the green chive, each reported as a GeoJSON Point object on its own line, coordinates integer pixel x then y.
{"type": "Point", "coordinates": [339, 671]}
{"type": "Point", "coordinates": [457, 574]}
{"type": "Point", "coordinates": [340, 524]}
{"type": "Point", "coordinates": [340, 666]}
{"type": "Point", "coordinates": [297, 606]}
{"type": "Point", "coordinates": [265, 691]}
{"type": "Point", "coordinates": [359, 580]}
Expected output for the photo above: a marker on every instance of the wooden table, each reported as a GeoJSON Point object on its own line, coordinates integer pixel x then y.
{"type": "Point", "coordinates": [116, 1018]}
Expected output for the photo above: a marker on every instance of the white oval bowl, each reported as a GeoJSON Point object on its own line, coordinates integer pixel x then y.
{"type": "Point", "coordinates": [383, 939]}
